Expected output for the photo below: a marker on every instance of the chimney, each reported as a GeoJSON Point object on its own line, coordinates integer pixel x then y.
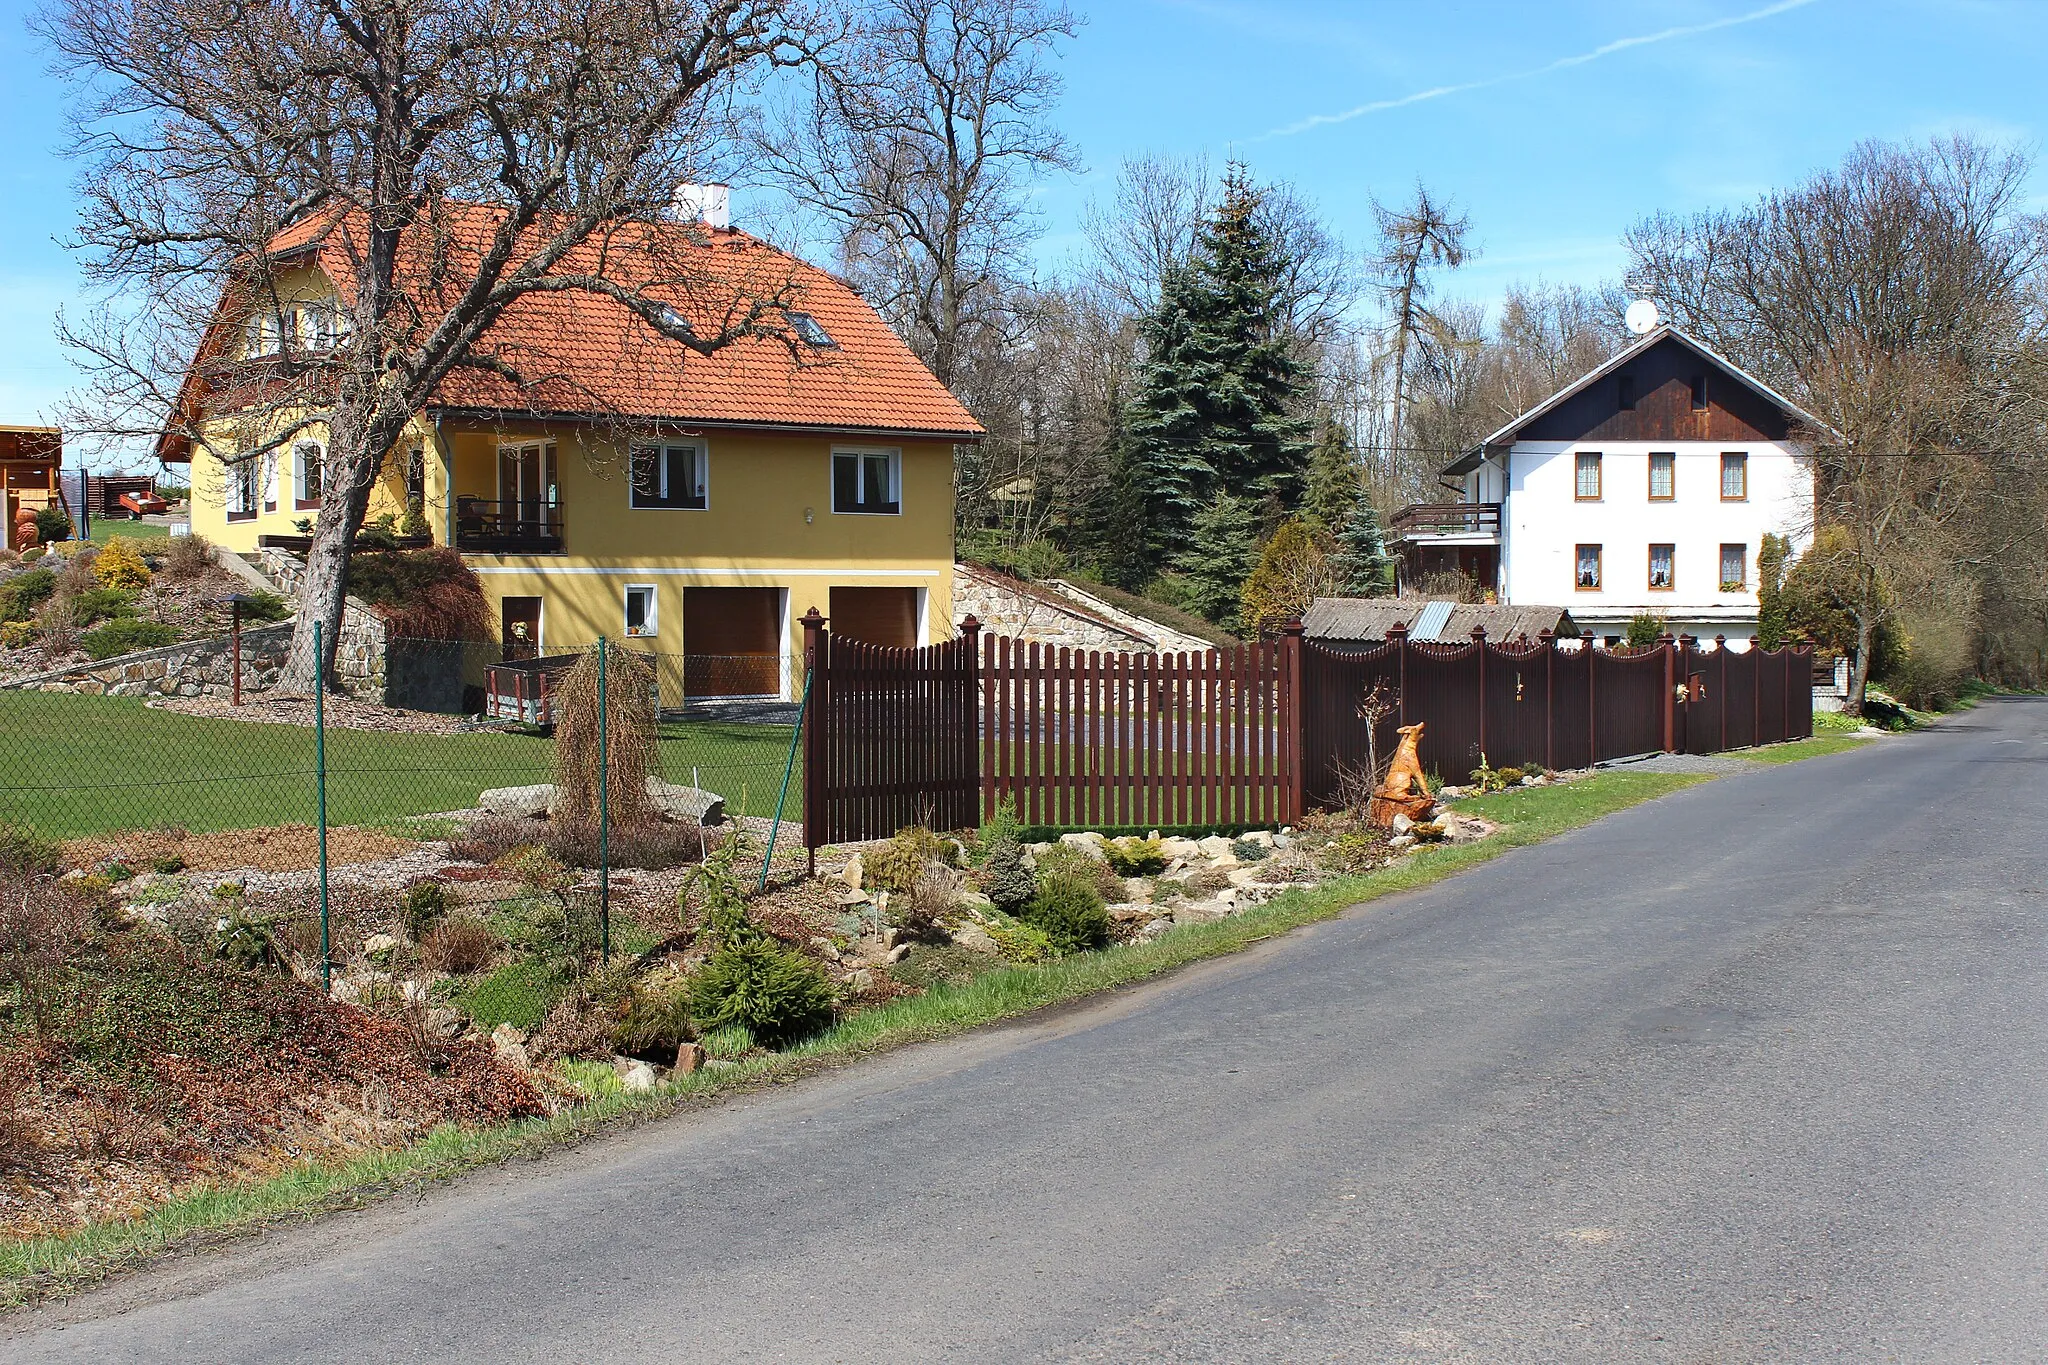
{"type": "Point", "coordinates": [710, 205]}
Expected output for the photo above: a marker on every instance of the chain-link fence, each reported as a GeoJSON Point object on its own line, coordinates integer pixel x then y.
{"type": "Point", "coordinates": [526, 817]}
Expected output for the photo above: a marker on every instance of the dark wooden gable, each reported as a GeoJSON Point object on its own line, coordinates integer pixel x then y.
{"type": "Point", "coordinates": [1663, 378]}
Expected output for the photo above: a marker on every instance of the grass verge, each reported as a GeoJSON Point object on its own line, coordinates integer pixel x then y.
{"type": "Point", "coordinates": [1817, 747]}
{"type": "Point", "coordinates": [41, 1267]}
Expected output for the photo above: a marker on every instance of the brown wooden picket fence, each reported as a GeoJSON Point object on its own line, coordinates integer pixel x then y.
{"type": "Point", "coordinates": [1249, 736]}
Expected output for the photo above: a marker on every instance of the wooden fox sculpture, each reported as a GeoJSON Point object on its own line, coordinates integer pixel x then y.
{"type": "Point", "coordinates": [1404, 791]}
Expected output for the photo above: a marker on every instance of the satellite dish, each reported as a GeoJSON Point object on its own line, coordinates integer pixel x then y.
{"type": "Point", "coordinates": [1641, 317]}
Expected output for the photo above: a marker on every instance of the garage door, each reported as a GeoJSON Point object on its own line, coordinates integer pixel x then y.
{"type": "Point", "coordinates": [732, 642]}
{"type": "Point", "coordinates": [880, 616]}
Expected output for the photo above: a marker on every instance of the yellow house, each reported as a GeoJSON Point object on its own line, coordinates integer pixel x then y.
{"type": "Point", "coordinates": [695, 506]}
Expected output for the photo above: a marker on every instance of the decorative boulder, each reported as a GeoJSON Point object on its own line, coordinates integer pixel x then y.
{"type": "Point", "coordinates": [519, 803]}
{"type": "Point", "coordinates": [688, 804]}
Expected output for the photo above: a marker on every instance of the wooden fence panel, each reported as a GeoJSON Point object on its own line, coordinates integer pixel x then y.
{"type": "Point", "coordinates": [1252, 735]}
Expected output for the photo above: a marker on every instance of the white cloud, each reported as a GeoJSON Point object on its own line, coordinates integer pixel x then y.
{"type": "Point", "coordinates": [1560, 64]}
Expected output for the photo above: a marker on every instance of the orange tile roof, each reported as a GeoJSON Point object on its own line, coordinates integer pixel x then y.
{"type": "Point", "coordinates": [576, 352]}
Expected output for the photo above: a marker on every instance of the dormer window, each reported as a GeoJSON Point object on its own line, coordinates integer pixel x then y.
{"type": "Point", "coordinates": [810, 331]}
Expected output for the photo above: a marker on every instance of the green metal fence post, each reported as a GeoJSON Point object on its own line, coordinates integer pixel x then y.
{"type": "Point", "coordinates": [604, 810]}
{"type": "Point", "coordinates": [775, 827]}
{"type": "Point", "coordinates": [320, 786]}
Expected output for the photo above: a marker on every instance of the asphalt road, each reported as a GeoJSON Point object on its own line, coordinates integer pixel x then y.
{"type": "Point", "coordinates": [1755, 1072]}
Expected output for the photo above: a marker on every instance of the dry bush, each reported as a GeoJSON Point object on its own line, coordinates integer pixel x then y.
{"type": "Point", "coordinates": [574, 1026]}
{"type": "Point", "coordinates": [57, 626]}
{"type": "Point", "coordinates": [458, 945]}
{"type": "Point", "coordinates": [425, 594]}
{"type": "Point", "coordinates": [651, 846]}
{"type": "Point", "coordinates": [923, 911]}
{"type": "Point", "coordinates": [491, 838]}
{"type": "Point", "coordinates": [631, 735]}
{"type": "Point", "coordinates": [18, 1138]}
{"type": "Point", "coordinates": [42, 922]}
{"type": "Point", "coordinates": [187, 557]}
{"type": "Point", "coordinates": [77, 574]}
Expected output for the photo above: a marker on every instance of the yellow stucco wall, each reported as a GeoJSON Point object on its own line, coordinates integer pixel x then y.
{"type": "Point", "coordinates": [769, 523]}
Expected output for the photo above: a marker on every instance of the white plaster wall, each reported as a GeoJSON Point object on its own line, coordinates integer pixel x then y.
{"type": "Point", "coordinates": [1543, 523]}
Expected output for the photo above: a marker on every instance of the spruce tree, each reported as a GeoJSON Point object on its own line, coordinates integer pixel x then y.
{"type": "Point", "coordinates": [1221, 547]}
{"type": "Point", "coordinates": [1362, 565]}
{"type": "Point", "coordinates": [1217, 409]}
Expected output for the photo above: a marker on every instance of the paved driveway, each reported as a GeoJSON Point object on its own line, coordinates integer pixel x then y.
{"type": "Point", "coordinates": [1758, 1071]}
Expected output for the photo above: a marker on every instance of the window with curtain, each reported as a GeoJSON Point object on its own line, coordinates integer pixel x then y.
{"type": "Point", "coordinates": [1663, 476]}
{"type": "Point", "coordinates": [674, 474]}
{"type": "Point", "coordinates": [1588, 471]}
{"type": "Point", "coordinates": [1662, 569]}
{"type": "Point", "coordinates": [1734, 568]}
{"type": "Point", "coordinates": [1587, 576]}
{"type": "Point", "coordinates": [307, 458]}
{"type": "Point", "coordinates": [1734, 476]}
{"type": "Point", "coordinates": [866, 481]}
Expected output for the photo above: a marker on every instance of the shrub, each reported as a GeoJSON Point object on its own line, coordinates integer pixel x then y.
{"type": "Point", "coordinates": [1004, 824]}
{"type": "Point", "coordinates": [56, 627]}
{"type": "Point", "coordinates": [923, 911]}
{"type": "Point", "coordinates": [1644, 629]}
{"type": "Point", "coordinates": [120, 565]}
{"type": "Point", "coordinates": [1249, 851]}
{"type": "Point", "coordinates": [52, 524]}
{"type": "Point", "coordinates": [778, 994]}
{"type": "Point", "coordinates": [424, 905]}
{"type": "Point", "coordinates": [26, 853]}
{"type": "Point", "coordinates": [17, 634]}
{"type": "Point", "coordinates": [900, 864]}
{"type": "Point", "coordinates": [1070, 912]}
{"type": "Point", "coordinates": [927, 966]}
{"type": "Point", "coordinates": [187, 557]}
{"type": "Point", "coordinates": [631, 737]}
{"type": "Point", "coordinates": [518, 994]}
{"type": "Point", "coordinates": [124, 634]}
{"type": "Point", "coordinates": [1136, 857]}
{"type": "Point", "coordinates": [23, 593]}
{"type": "Point", "coordinates": [1004, 877]}
{"type": "Point", "coordinates": [1064, 860]}
{"type": "Point", "coordinates": [101, 604]}
{"type": "Point", "coordinates": [426, 594]}
{"type": "Point", "coordinates": [262, 606]}
{"type": "Point", "coordinates": [1018, 941]}
{"type": "Point", "coordinates": [655, 1018]}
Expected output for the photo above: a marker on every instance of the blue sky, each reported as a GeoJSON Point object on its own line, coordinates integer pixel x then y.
{"type": "Point", "coordinates": [1554, 125]}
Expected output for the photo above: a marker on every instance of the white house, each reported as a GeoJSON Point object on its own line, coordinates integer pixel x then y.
{"type": "Point", "coordinates": [1647, 486]}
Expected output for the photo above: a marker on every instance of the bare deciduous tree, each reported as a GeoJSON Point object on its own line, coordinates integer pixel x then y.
{"type": "Point", "coordinates": [918, 146]}
{"type": "Point", "coordinates": [1898, 298]}
{"type": "Point", "coordinates": [457, 155]}
{"type": "Point", "coordinates": [1414, 241]}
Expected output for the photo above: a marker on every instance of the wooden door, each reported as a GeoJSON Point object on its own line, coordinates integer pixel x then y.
{"type": "Point", "coordinates": [519, 627]}
{"type": "Point", "coordinates": [732, 642]}
{"type": "Point", "coordinates": [878, 616]}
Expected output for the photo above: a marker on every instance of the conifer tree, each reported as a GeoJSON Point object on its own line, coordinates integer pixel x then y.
{"type": "Point", "coordinates": [1217, 410]}
{"type": "Point", "coordinates": [1217, 557]}
{"type": "Point", "coordinates": [1362, 565]}
{"type": "Point", "coordinates": [1333, 481]}
{"type": "Point", "coordinates": [1773, 615]}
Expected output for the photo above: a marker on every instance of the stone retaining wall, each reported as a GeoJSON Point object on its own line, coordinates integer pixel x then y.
{"type": "Point", "coordinates": [359, 655]}
{"type": "Point", "coordinates": [191, 668]}
{"type": "Point", "coordinates": [1007, 606]}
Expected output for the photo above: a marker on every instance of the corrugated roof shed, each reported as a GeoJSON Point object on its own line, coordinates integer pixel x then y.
{"type": "Point", "coordinates": [1362, 618]}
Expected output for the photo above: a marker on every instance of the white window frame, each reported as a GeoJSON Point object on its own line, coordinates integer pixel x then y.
{"type": "Point", "coordinates": [301, 502]}
{"type": "Point", "coordinates": [652, 627]}
{"type": "Point", "coordinates": [700, 448]}
{"type": "Point", "coordinates": [244, 489]}
{"type": "Point", "coordinates": [893, 454]}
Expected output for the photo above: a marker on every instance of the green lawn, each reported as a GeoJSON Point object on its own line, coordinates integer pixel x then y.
{"type": "Point", "coordinates": [1817, 747]}
{"type": "Point", "coordinates": [73, 765]}
{"type": "Point", "coordinates": [105, 529]}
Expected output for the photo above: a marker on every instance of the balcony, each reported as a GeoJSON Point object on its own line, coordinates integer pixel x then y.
{"type": "Point", "coordinates": [1463, 523]}
{"type": "Point", "coordinates": [507, 528]}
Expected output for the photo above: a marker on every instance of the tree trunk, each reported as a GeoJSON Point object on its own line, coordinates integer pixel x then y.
{"type": "Point", "coordinates": [347, 480]}
{"type": "Point", "coordinates": [1859, 673]}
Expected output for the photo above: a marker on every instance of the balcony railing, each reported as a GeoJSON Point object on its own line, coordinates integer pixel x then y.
{"type": "Point", "coordinates": [1430, 520]}
{"type": "Point", "coordinates": [507, 528]}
